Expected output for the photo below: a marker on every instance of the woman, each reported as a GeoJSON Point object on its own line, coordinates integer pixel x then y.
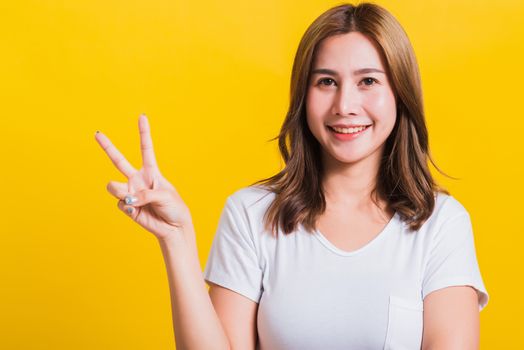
{"type": "Point", "coordinates": [352, 245]}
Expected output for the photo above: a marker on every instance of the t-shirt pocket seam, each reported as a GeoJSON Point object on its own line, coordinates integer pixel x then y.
{"type": "Point", "coordinates": [405, 318]}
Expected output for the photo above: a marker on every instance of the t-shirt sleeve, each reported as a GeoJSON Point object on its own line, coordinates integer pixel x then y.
{"type": "Point", "coordinates": [453, 260]}
{"type": "Point", "coordinates": [233, 261]}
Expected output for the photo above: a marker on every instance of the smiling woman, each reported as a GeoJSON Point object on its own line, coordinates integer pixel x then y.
{"type": "Point", "coordinates": [355, 66]}
{"type": "Point", "coordinates": [352, 245]}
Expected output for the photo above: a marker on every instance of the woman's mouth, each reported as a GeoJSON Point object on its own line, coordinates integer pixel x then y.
{"type": "Point", "coordinates": [345, 134]}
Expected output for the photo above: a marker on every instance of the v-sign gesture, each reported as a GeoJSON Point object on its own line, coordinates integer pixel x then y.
{"type": "Point", "coordinates": [148, 198]}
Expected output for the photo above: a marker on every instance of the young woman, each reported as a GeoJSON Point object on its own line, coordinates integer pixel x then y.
{"type": "Point", "coordinates": [352, 245]}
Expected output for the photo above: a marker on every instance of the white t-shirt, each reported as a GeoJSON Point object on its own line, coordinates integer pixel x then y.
{"type": "Point", "coordinates": [313, 295]}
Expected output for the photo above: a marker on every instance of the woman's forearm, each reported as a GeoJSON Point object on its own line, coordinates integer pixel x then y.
{"type": "Point", "coordinates": [195, 322]}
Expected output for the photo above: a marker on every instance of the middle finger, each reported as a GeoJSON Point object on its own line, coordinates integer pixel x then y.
{"type": "Point", "coordinates": [114, 154]}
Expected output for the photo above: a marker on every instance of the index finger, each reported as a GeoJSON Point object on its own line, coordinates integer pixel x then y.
{"type": "Point", "coordinates": [114, 154]}
{"type": "Point", "coordinates": [146, 143]}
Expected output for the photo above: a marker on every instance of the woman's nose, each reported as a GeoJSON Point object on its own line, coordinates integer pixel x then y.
{"type": "Point", "coordinates": [347, 101]}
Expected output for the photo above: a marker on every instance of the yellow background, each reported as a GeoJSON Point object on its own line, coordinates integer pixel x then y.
{"type": "Point", "coordinates": [213, 77]}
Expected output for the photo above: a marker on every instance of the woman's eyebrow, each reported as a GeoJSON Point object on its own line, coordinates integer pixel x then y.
{"type": "Point", "coordinates": [355, 72]}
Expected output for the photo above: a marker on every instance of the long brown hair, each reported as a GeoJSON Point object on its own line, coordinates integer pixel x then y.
{"type": "Point", "coordinates": [404, 180]}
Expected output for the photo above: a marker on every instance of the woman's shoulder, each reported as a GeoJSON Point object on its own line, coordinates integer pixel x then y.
{"type": "Point", "coordinates": [447, 209]}
{"type": "Point", "coordinates": [252, 197]}
{"type": "Point", "coordinates": [447, 205]}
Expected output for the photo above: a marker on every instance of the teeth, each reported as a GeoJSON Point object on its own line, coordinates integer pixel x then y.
{"type": "Point", "coordinates": [349, 130]}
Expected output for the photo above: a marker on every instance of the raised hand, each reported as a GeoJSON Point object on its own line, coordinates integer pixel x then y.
{"type": "Point", "coordinates": [148, 198]}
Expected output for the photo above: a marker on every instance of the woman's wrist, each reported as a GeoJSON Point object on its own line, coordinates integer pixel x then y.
{"type": "Point", "coordinates": [180, 237]}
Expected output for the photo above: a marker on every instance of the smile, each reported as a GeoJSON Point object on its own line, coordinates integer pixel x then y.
{"type": "Point", "coordinates": [347, 134]}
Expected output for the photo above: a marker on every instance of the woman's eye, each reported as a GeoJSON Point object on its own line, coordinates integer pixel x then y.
{"type": "Point", "coordinates": [325, 81]}
{"type": "Point", "coordinates": [328, 81]}
{"type": "Point", "coordinates": [369, 80]}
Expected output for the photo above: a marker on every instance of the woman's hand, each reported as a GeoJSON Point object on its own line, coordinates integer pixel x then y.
{"type": "Point", "coordinates": [148, 198]}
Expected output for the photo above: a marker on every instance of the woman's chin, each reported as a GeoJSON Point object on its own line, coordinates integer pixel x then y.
{"type": "Point", "coordinates": [346, 159]}
{"type": "Point", "coordinates": [341, 157]}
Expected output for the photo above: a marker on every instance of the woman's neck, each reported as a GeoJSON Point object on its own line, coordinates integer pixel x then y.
{"type": "Point", "coordinates": [351, 184]}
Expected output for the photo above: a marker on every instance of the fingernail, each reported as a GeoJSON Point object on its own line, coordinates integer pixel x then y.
{"type": "Point", "coordinates": [129, 210]}
{"type": "Point", "coordinates": [130, 199]}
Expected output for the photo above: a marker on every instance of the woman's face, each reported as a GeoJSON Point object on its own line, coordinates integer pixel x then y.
{"type": "Point", "coordinates": [349, 87]}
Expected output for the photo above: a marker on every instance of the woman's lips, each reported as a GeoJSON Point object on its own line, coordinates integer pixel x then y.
{"type": "Point", "coordinates": [347, 137]}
